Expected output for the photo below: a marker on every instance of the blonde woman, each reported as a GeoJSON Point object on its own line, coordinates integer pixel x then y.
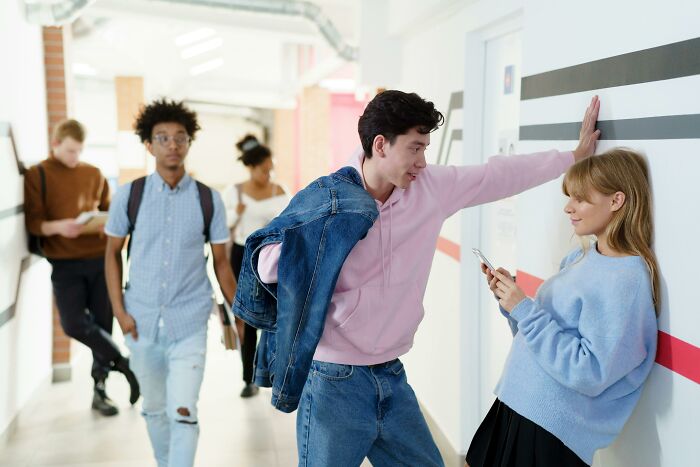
{"type": "Point", "coordinates": [251, 205]}
{"type": "Point", "coordinates": [584, 346]}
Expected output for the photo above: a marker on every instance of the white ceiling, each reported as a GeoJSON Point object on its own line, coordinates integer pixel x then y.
{"type": "Point", "coordinates": [259, 52]}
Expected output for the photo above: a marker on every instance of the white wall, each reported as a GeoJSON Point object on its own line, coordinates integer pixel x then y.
{"type": "Point", "coordinates": [442, 52]}
{"type": "Point", "coordinates": [664, 428]}
{"type": "Point", "coordinates": [25, 340]}
{"type": "Point", "coordinates": [214, 157]}
{"type": "Point", "coordinates": [95, 106]}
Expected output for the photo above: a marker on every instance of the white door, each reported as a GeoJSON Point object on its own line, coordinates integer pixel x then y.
{"type": "Point", "coordinates": [498, 220]}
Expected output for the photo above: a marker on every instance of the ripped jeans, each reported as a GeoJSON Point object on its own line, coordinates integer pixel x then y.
{"type": "Point", "coordinates": [170, 375]}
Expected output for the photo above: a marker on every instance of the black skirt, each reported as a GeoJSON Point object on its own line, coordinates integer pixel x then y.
{"type": "Point", "coordinates": [507, 439]}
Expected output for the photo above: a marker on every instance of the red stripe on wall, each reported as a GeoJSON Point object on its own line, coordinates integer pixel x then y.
{"type": "Point", "coordinates": [679, 356]}
{"type": "Point", "coordinates": [449, 247]}
{"type": "Point", "coordinates": [527, 282]}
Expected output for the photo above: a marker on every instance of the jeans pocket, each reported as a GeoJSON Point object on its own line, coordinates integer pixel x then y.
{"type": "Point", "coordinates": [332, 371]}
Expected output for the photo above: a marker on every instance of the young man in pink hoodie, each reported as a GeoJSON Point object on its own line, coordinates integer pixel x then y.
{"type": "Point", "coordinates": [357, 402]}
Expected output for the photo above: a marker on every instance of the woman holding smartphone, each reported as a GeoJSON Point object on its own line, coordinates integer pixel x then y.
{"type": "Point", "coordinates": [584, 346]}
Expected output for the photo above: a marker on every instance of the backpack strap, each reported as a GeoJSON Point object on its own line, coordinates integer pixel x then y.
{"type": "Point", "coordinates": [206, 201]}
{"type": "Point", "coordinates": [42, 180]}
{"type": "Point", "coordinates": [132, 207]}
{"type": "Point", "coordinates": [35, 244]}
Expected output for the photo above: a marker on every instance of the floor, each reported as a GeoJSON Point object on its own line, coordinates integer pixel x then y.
{"type": "Point", "coordinates": [59, 429]}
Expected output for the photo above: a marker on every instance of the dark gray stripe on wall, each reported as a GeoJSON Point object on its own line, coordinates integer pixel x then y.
{"type": "Point", "coordinates": [11, 211]}
{"type": "Point", "coordinates": [659, 63]}
{"type": "Point", "coordinates": [7, 315]}
{"type": "Point", "coordinates": [666, 127]}
{"type": "Point", "coordinates": [456, 103]}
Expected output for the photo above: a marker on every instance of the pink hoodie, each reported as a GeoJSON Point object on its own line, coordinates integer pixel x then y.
{"type": "Point", "coordinates": [378, 300]}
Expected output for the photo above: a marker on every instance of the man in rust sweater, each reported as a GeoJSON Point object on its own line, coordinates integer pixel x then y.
{"type": "Point", "coordinates": [56, 191]}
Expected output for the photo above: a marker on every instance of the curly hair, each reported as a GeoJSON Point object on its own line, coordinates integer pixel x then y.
{"type": "Point", "coordinates": [393, 113]}
{"type": "Point", "coordinates": [164, 111]}
{"type": "Point", "coordinates": [252, 151]}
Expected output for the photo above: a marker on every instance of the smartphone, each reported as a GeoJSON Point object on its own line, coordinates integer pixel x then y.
{"type": "Point", "coordinates": [483, 259]}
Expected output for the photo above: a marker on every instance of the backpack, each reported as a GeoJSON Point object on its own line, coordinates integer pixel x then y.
{"type": "Point", "coordinates": [34, 241]}
{"type": "Point", "coordinates": [206, 202]}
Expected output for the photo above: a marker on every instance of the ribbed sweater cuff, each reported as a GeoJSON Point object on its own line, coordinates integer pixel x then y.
{"type": "Point", "coordinates": [522, 309]}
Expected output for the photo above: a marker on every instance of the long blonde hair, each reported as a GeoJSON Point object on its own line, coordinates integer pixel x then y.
{"type": "Point", "coordinates": [630, 231]}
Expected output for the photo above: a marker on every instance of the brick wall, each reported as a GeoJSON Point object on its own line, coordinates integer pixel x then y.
{"type": "Point", "coordinates": [56, 41]}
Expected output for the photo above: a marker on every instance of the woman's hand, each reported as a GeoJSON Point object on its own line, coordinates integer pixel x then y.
{"type": "Point", "coordinates": [588, 137]}
{"type": "Point", "coordinates": [240, 207]}
{"type": "Point", "coordinates": [492, 280]}
{"type": "Point", "coordinates": [507, 292]}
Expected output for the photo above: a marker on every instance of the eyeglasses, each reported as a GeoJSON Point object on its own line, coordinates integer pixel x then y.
{"type": "Point", "coordinates": [164, 140]}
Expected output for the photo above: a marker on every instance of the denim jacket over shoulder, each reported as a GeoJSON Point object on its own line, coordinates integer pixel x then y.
{"type": "Point", "coordinates": [318, 229]}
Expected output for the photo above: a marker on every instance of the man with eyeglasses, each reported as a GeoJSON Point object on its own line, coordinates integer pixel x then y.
{"type": "Point", "coordinates": [166, 304]}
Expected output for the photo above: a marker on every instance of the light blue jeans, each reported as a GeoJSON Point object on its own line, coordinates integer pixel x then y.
{"type": "Point", "coordinates": [170, 375]}
{"type": "Point", "coordinates": [347, 413]}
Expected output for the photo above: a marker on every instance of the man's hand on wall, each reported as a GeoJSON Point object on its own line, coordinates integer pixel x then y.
{"type": "Point", "coordinates": [588, 137]}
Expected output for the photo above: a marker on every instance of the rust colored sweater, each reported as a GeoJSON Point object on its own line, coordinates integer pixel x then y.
{"type": "Point", "coordinates": [68, 193]}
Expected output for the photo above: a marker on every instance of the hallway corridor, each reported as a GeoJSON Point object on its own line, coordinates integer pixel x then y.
{"type": "Point", "coordinates": [59, 429]}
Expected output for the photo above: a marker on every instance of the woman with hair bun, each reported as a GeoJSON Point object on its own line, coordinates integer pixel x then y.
{"type": "Point", "coordinates": [251, 205]}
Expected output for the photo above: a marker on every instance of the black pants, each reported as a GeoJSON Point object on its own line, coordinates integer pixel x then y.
{"type": "Point", "coordinates": [250, 338]}
{"type": "Point", "coordinates": [84, 308]}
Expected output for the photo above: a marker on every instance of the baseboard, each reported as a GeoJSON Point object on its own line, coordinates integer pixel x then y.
{"type": "Point", "coordinates": [450, 456]}
{"type": "Point", "coordinates": [9, 431]}
{"type": "Point", "coordinates": [62, 372]}
{"type": "Point", "coordinates": [11, 428]}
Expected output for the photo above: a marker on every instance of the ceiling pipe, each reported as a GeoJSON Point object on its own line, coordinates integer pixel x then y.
{"type": "Point", "coordinates": [307, 10]}
{"type": "Point", "coordinates": [54, 13]}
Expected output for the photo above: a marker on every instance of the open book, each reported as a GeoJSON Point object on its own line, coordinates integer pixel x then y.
{"type": "Point", "coordinates": [92, 220]}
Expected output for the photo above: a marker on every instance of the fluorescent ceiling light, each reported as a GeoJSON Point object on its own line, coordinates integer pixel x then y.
{"type": "Point", "coordinates": [201, 48]}
{"type": "Point", "coordinates": [206, 66]}
{"type": "Point", "coordinates": [338, 85]}
{"type": "Point", "coordinates": [194, 36]}
{"type": "Point", "coordinates": [83, 69]}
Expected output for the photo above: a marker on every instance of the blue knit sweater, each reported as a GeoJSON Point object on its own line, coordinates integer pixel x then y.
{"type": "Point", "coordinates": [582, 350]}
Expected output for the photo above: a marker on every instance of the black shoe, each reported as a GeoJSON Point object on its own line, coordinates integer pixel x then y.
{"type": "Point", "coordinates": [122, 366]}
{"type": "Point", "coordinates": [249, 390]}
{"type": "Point", "coordinates": [103, 404]}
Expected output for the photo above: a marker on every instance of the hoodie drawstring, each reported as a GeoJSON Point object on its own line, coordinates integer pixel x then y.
{"type": "Point", "coordinates": [386, 280]}
{"type": "Point", "coordinates": [381, 247]}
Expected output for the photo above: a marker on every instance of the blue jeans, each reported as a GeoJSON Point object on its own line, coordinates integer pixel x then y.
{"type": "Point", "coordinates": [170, 375]}
{"type": "Point", "coordinates": [347, 413]}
